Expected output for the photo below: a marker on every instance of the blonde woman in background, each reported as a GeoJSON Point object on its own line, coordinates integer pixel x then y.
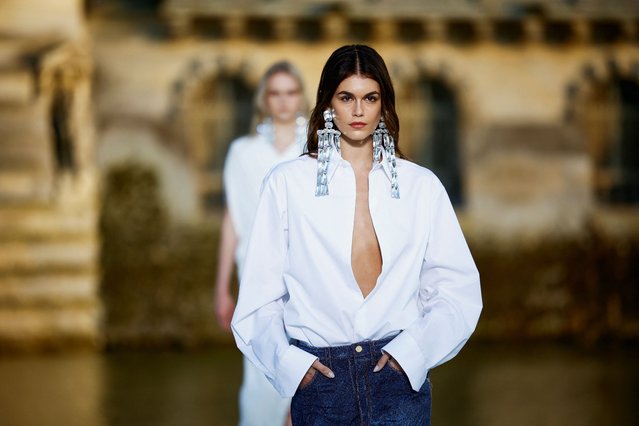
{"type": "Point", "coordinates": [280, 134]}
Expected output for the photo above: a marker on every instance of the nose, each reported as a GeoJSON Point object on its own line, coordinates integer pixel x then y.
{"type": "Point", "coordinates": [358, 111]}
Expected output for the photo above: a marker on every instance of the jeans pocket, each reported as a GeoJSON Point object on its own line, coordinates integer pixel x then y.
{"type": "Point", "coordinates": [395, 367]}
{"type": "Point", "coordinates": [305, 386]}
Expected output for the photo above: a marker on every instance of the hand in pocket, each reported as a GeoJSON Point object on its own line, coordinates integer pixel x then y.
{"type": "Point", "coordinates": [316, 367]}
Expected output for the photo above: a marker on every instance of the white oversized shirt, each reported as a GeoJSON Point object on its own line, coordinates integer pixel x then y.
{"type": "Point", "coordinates": [298, 281]}
{"type": "Point", "coordinates": [248, 160]}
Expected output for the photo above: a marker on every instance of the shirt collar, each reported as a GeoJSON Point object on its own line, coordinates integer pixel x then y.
{"type": "Point", "coordinates": [337, 160]}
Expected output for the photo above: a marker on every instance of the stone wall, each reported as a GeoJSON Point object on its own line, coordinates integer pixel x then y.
{"type": "Point", "coordinates": [59, 19]}
{"type": "Point", "coordinates": [48, 209]}
{"type": "Point", "coordinates": [524, 82]}
{"type": "Point", "coordinates": [542, 240]}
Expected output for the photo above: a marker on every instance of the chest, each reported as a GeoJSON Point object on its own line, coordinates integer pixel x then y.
{"type": "Point", "coordinates": [398, 224]}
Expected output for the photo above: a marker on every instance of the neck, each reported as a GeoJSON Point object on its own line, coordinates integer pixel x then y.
{"type": "Point", "coordinates": [284, 134]}
{"type": "Point", "coordinates": [358, 153]}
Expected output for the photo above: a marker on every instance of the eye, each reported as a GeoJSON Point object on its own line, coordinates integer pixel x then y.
{"type": "Point", "coordinates": [345, 98]}
{"type": "Point", "coordinates": [372, 98]}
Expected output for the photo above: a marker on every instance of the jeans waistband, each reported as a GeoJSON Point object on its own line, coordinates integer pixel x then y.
{"type": "Point", "coordinates": [359, 349]}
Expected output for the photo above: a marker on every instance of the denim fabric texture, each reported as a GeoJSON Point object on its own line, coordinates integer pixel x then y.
{"type": "Point", "coordinates": [357, 396]}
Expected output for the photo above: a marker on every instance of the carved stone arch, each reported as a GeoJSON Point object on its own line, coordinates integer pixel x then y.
{"type": "Point", "coordinates": [432, 120]}
{"type": "Point", "coordinates": [213, 104]}
{"type": "Point", "coordinates": [603, 102]}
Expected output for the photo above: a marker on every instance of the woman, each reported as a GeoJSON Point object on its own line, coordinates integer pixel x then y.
{"type": "Point", "coordinates": [280, 135]}
{"type": "Point", "coordinates": [358, 280]}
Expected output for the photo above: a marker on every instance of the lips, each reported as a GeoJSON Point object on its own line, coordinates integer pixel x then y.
{"type": "Point", "coordinates": [357, 124]}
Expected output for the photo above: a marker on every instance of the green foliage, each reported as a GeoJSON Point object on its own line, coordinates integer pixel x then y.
{"type": "Point", "coordinates": [157, 279]}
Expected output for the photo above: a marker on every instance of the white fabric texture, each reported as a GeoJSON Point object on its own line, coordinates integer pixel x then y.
{"type": "Point", "coordinates": [298, 283]}
{"type": "Point", "coordinates": [248, 160]}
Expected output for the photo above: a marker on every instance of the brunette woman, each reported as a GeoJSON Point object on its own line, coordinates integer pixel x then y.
{"type": "Point", "coordinates": [358, 280]}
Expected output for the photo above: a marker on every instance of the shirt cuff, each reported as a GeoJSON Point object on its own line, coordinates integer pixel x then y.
{"type": "Point", "coordinates": [405, 350]}
{"type": "Point", "coordinates": [292, 367]}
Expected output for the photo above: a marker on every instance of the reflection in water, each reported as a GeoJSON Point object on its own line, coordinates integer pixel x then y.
{"type": "Point", "coordinates": [486, 385]}
{"type": "Point", "coordinates": [55, 390]}
{"type": "Point", "coordinates": [172, 388]}
{"type": "Point", "coordinates": [529, 385]}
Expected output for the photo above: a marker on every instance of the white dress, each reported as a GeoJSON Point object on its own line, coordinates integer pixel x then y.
{"type": "Point", "coordinates": [248, 160]}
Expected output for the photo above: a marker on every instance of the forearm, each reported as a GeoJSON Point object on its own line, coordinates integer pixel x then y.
{"type": "Point", "coordinates": [226, 256]}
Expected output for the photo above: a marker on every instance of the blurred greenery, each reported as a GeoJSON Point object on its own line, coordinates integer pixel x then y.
{"type": "Point", "coordinates": [157, 278]}
{"type": "Point", "coordinates": [582, 288]}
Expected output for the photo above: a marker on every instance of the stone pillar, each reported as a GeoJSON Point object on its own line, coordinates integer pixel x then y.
{"type": "Point", "coordinates": [385, 30]}
{"type": "Point", "coordinates": [335, 26]}
{"type": "Point", "coordinates": [235, 26]}
{"type": "Point", "coordinates": [179, 23]}
{"type": "Point", "coordinates": [582, 30]}
{"type": "Point", "coordinates": [285, 28]}
{"type": "Point", "coordinates": [485, 30]}
{"type": "Point", "coordinates": [436, 29]}
{"type": "Point", "coordinates": [629, 29]}
{"type": "Point", "coordinates": [534, 30]}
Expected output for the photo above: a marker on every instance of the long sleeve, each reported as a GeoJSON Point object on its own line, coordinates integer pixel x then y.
{"type": "Point", "coordinates": [449, 297]}
{"type": "Point", "coordinates": [257, 323]}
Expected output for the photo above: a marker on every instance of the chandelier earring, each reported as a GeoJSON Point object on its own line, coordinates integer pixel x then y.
{"type": "Point", "coordinates": [327, 140]}
{"type": "Point", "coordinates": [382, 139]}
{"type": "Point", "coordinates": [378, 136]}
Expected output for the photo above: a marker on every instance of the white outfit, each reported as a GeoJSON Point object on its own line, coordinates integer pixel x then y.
{"type": "Point", "coordinates": [248, 160]}
{"type": "Point", "coordinates": [298, 281]}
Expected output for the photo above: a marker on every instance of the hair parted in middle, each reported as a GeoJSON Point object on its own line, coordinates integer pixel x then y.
{"type": "Point", "coordinates": [355, 59]}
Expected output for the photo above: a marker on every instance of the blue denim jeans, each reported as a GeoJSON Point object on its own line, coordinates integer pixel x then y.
{"type": "Point", "coordinates": [357, 396]}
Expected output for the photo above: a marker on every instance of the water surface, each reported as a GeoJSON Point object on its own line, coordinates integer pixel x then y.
{"type": "Point", "coordinates": [486, 385]}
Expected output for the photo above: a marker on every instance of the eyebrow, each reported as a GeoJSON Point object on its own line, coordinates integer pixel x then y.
{"type": "Point", "coordinates": [344, 92]}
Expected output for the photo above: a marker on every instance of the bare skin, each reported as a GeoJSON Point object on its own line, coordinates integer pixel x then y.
{"type": "Point", "coordinates": [224, 301]}
{"type": "Point", "coordinates": [357, 105]}
{"type": "Point", "coordinates": [366, 257]}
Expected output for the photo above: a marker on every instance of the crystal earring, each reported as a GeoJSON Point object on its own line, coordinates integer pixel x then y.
{"type": "Point", "coordinates": [327, 140]}
{"type": "Point", "coordinates": [382, 137]}
{"type": "Point", "coordinates": [378, 136]}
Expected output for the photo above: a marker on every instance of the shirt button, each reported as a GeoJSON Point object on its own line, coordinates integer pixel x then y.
{"type": "Point", "coordinates": [358, 348]}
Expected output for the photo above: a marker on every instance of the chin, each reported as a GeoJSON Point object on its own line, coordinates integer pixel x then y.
{"type": "Point", "coordinates": [284, 118]}
{"type": "Point", "coordinates": [357, 136]}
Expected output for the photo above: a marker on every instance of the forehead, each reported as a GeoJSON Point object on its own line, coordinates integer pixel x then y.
{"type": "Point", "coordinates": [358, 84]}
{"type": "Point", "coordinates": [282, 81]}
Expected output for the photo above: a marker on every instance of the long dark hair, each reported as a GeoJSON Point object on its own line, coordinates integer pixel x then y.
{"type": "Point", "coordinates": [355, 59]}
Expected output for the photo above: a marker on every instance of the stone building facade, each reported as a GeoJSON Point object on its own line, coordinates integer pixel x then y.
{"type": "Point", "coordinates": [48, 208]}
{"type": "Point", "coordinates": [527, 110]}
